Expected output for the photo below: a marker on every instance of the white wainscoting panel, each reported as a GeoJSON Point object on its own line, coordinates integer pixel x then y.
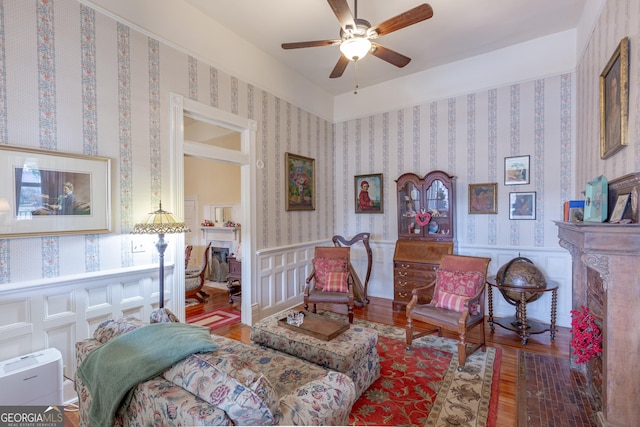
{"type": "Point", "coordinates": [283, 271]}
{"type": "Point", "coordinates": [59, 312]}
{"type": "Point", "coordinates": [281, 277]}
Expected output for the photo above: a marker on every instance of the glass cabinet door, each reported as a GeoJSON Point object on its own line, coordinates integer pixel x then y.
{"type": "Point", "coordinates": [409, 203]}
{"type": "Point", "coordinates": [438, 204]}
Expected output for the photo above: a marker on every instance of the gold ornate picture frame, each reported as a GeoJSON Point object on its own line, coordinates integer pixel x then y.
{"type": "Point", "coordinates": [300, 182]}
{"type": "Point", "coordinates": [483, 198]}
{"type": "Point", "coordinates": [614, 102]}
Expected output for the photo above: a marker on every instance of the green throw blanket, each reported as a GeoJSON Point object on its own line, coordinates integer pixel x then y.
{"type": "Point", "coordinates": [111, 371]}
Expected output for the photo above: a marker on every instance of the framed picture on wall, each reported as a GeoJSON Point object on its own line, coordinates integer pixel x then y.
{"type": "Point", "coordinates": [522, 205]}
{"type": "Point", "coordinates": [300, 182]}
{"type": "Point", "coordinates": [369, 193]}
{"type": "Point", "coordinates": [49, 193]}
{"type": "Point", "coordinates": [516, 170]}
{"type": "Point", "coordinates": [482, 198]}
{"type": "Point", "coordinates": [614, 101]}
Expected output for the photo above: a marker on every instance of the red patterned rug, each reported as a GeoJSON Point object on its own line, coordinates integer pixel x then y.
{"type": "Point", "coordinates": [214, 319]}
{"type": "Point", "coordinates": [406, 389]}
{"type": "Point", "coordinates": [422, 386]}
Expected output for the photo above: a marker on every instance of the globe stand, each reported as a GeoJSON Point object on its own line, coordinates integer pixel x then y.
{"type": "Point", "coordinates": [519, 323]}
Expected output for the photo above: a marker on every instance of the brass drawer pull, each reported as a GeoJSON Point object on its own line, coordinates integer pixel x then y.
{"type": "Point", "coordinates": [403, 284]}
{"type": "Point", "coordinates": [403, 294]}
{"type": "Point", "coordinates": [402, 273]}
{"type": "Point", "coordinates": [405, 265]}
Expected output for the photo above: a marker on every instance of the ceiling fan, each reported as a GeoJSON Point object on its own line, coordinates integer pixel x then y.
{"type": "Point", "coordinates": [357, 35]}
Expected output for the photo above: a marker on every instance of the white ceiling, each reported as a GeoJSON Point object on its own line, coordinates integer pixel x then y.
{"type": "Point", "coordinates": [458, 29]}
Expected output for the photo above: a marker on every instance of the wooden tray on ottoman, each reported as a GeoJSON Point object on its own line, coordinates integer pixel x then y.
{"type": "Point", "coordinates": [317, 326]}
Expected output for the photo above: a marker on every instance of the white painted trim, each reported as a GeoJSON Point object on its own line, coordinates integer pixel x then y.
{"type": "Point", "coordinates": [245, 158]}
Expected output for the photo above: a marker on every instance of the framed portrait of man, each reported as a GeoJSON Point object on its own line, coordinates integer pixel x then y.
{"type": "Point", "coordinates": [614, 102]}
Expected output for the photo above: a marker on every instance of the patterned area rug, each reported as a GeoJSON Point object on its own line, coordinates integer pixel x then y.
{"type": "Point", "coordinates": [468, 398]}
{"type": "Point", "coordinates": [406, 389]}
{"type": "Point", "coordinates": [215, 319]}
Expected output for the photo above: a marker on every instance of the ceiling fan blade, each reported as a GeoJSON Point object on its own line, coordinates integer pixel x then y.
{"type": "Point", "coordinates": [343, 13]}
{"type": "Point", "coordinates": [340, 67]}
{"type": "Point", "coordinates": [410, 17]}
{"type": "Point", "coordinates": [391, 56]}
{"type": "Point", "coordinates": [298, 45]}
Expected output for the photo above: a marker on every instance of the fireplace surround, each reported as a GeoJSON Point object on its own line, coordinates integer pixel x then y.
{"type": "Point", "coordinates": [606, 280]}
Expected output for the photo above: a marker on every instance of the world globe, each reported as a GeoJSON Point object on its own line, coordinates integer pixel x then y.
{"type": "Point", "coordinates": [520, 272]}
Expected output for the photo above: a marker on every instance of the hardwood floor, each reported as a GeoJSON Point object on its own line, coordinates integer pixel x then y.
{"type": "Point", "coordinates": [380, 310]}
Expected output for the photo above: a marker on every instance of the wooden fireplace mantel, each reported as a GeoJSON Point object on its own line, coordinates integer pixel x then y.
{"type": "Point", "coordinates": [606, 278]}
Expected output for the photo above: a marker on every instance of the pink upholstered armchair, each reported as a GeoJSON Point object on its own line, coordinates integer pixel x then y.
{"type": "Point", "coordinates": [457, 304]}
{"type": "Point", "coordinates": [330, 281]}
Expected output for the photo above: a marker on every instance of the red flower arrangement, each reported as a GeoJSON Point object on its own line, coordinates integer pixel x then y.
{"type": "Point", "coordinates": [587, 337]}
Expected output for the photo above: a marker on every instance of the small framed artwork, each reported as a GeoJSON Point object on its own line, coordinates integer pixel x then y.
{"type": "Point", "coordinates": [482, 198]}
{"type": "Point", "coordinates": [516, 170]}
{"type": "Point", "coordinates": [51, 193]}
{"type": "Point", "coordinates": [614, 101]}
{"type": "Point", "coordinates": [369, 193]}
{"type": "Point", "coordinates": [522, 205]}
{"type": "Point", "coordinates": [620, 208]}
{"type": "Point", "coordinates": [596, 200]}
{"type": "Point", "coordinates": [300, 182]}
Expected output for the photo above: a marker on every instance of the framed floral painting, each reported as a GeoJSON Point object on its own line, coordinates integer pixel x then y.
{"type": "Point", "coordinates": [300, 183]}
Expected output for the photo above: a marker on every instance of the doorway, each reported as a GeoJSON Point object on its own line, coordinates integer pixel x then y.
{"type": "Point", "coordinates": [212, 212]}
{"type": "Point", "coordinates": [240, 155]}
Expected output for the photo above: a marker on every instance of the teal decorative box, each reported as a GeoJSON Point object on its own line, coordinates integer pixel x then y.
{"type": "Point", "coordinates": [595, 203]}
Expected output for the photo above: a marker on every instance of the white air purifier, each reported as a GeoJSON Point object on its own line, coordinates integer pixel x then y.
{"type": "Point", "coordinates": [32, 379]}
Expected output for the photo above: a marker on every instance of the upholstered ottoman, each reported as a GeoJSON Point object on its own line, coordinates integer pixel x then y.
{"type": "Point", "coordinates": [353, 352]}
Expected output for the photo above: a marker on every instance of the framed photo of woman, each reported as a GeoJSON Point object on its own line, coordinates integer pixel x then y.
{"type": "Point", "coordinates": [369, 193]}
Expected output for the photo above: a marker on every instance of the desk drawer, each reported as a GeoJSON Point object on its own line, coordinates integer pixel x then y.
{"type": "Point", "coordinates": [413, 266]}
{"type": "Point", "coordinates": [402, 290]}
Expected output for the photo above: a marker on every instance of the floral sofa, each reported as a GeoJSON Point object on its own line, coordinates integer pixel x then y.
{"type": "Point", "coordinates": [236, 384]}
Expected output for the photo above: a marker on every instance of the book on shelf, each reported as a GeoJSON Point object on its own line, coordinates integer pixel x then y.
{"type": "Point", "coordinates": [573, 210]}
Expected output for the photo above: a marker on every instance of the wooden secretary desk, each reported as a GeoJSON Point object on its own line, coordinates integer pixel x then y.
{"type": "Point", "coordinates": [426, 231]}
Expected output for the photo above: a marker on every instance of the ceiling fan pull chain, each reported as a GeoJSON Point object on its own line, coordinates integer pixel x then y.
{"type": "Point", "coordinates": [355, 91]}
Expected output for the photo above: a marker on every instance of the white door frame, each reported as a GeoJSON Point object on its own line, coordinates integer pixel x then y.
{"type": "Point", "coordinates": [245, 158]}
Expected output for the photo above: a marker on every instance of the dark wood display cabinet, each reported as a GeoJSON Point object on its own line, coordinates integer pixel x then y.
{"type": "Point", "coordinates": [426, 207]}
{"type": "Point", "coordinates": [426, 231]}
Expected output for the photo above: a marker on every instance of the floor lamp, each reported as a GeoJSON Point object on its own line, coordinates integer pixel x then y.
{"type": "Point", "coordinates": [160, 222]}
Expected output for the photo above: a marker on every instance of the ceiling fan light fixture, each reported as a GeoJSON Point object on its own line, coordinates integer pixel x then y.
{"type": "Point", "coordinates": [355, 48]}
